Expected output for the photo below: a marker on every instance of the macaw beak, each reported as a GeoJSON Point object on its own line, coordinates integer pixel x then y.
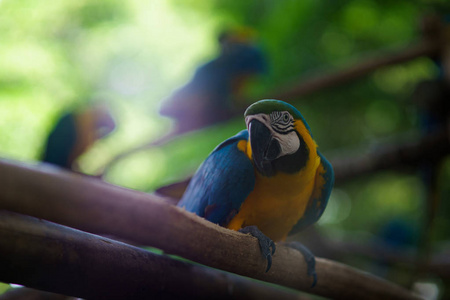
{"type": "Point", "coordinates": [265, 148]}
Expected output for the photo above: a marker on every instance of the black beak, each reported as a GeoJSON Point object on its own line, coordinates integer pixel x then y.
{"type": "Point", "coordinates": [265, 148]}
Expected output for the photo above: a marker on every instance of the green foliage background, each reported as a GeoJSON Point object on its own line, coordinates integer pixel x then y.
{"type": "Point", "coordinates": [60, 55]}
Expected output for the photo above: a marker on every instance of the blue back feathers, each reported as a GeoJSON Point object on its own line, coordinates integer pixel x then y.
{"type": "Point", "coordinates": [222, 183]}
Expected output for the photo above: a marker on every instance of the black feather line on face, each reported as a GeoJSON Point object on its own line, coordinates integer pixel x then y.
{"type": "Point", "coordinates": [293, 163]}
{"type": "Point", "coordinates": [286, 130]}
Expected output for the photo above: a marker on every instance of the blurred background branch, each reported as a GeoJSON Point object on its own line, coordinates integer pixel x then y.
{"type": "Point", "coordinates": [318, 83]}
{"type": "Point", "coordinates": [393, 156]}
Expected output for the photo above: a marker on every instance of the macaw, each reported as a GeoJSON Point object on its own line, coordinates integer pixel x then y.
{"type": "Point", "coordinates": [210, 96]}
{"type": "Point", "coordinates": [268, 180]}
{"type": "Point", "coordinates": [75, 133]}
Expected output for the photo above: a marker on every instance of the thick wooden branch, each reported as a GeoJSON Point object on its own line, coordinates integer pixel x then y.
{"type": "Point", "coordinates": [94, 206]}
{"type": "Point", "coordinates": [59, 259]}
{"type": "Point", "coordinates": [33, 294]}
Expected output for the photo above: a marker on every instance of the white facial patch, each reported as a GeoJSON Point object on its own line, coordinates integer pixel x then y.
{"type": "Point", "coordinates": [289, 142]}
{"type": "Point", "coordinates": [288, 139]}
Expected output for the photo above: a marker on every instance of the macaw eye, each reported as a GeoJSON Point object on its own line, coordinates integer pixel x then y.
{"type": "Point", "coordinates": [281, 122]}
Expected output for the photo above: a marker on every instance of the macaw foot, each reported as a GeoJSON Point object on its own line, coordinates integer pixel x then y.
{"type": "Point", "coordinates": [309, 259]}
{"type": "Point", "coordinates": [265, 243]}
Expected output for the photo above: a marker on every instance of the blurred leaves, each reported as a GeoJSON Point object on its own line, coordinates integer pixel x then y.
{"type": "Point", "coordinates": [56, 57]}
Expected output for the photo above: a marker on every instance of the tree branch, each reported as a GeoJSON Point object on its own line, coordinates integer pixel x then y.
{"type": "Point", "coordinates": [384, 157]}
{"type": "Point", "coordinates": [59, 259]}
{"type": "Point", "coordinates": [32, 294]}
{"type": "Point", "coordinates": [376, 251]}
{"type": "Point", "coordinates": [94, 206]}
{"type": "Point", "coordinates": [308, 86]}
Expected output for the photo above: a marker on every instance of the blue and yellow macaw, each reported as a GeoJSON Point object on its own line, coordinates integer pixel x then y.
{"type": "Point", "coordinates": [75, 133]}
{"type": "Point", "coordinates": [269, 180]}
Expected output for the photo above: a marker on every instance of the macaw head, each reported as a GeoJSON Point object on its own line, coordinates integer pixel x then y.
{"type": "Point", "coordinates": [279, 137]}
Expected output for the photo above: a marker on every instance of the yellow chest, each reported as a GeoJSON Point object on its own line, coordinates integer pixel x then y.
{"type": "Point", "coordinates": [278, 202]}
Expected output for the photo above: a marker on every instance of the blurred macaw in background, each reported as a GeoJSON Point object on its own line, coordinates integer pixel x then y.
{"type": "Point", "coordinates": [269, 180]}
{"type": "Point", "coordinates": [75, 133]}
{"type": "Point", "coordinates": [208, 98]}
{"type": "Point", "coordinates": [212, 96]}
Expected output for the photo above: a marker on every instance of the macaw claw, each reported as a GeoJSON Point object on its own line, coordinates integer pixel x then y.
{"type": "Point", "coordinates": [309, 259]}
{"type": "Point", "coordinates": [265, 243]}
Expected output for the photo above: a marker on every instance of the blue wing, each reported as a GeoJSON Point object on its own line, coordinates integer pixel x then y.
{"type": "Point", "coordinates": [320, 196]}
{"type": "Point", "coordinates": [222, 183]}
